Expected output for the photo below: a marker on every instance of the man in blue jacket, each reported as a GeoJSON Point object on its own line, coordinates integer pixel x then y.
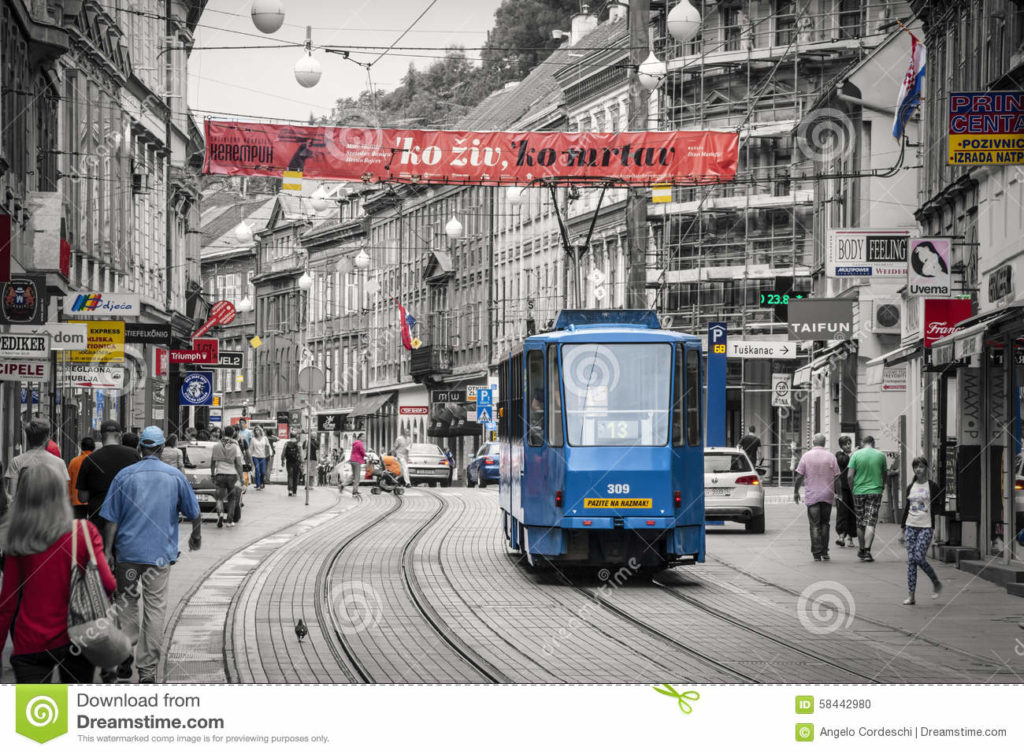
{"type": "Point", "coordinates": [142, 506]}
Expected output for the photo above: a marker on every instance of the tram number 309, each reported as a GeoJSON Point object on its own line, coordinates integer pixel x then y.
{"type": "Point", "coordinates": [618, 489]}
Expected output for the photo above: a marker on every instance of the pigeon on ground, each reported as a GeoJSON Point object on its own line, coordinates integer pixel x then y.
{"type": "Point", "coordinates": [300, 629]}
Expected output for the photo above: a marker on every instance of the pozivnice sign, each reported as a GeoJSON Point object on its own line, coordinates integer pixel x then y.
{"type": "Point", "coordinates": [986, 128]}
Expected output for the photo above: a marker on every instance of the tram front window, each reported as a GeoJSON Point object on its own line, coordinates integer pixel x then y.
{"type": "Point", "coordinates": [617, 393]}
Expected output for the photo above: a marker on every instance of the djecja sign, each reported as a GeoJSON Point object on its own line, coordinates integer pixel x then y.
{"type": "Point", "coordinates": [486, 158]}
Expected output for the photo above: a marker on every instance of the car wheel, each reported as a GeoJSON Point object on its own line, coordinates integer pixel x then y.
{"type": "Point", "coordinates": [446, 483]}
{"type": "Point", "coordinates": [470, 481]}
{"type": "Point", "coordinates": [756, 525]}
{"type": "Point", "coordinates": [483, 482]}
{"type": "Point", "coordinates": [433, 484]}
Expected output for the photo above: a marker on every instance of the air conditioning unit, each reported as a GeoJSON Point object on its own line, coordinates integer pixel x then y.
{"type": "Point", "coordinates": [886, 317]}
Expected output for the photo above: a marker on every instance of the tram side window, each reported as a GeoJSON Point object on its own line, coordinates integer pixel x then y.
{"type": "Point", "coordinates": [693, 397]}
{"type": "Point", "coordinates": [535, 397]}
{"type": "Point", "coordinates": [554, 399]}
{"type": "Point", "coordinates": [678, 402]}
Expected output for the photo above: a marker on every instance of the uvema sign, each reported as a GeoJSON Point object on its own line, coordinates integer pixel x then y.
{"type": "Point", "coordinates": [818, 319]}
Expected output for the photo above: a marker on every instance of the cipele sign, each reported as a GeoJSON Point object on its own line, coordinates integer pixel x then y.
{"type": "Point", "coordinates": [941, 317]}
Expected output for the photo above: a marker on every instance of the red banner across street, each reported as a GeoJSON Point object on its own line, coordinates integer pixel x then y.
{"type": "Point", "coordinates": [470, 157]}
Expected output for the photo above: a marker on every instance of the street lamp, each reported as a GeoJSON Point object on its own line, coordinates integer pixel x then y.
{"type": "Point", "coordinates": [245, 305]}
{"type": "Point", "coordinates": [243, 233]}
{"type": "Point", "coordinates": [306, 281]}
{"type": "Point", "coordinates": [683, 22]}
{"type": "Point", "coordinates": [454, 229]}
{"type": "Point", "coordinates": [362, 260]}
{"type": "Point", "coordinates": [652, 72]}
{"type": "Point", "coordinates": [307, 68]}
{"type": "Point", "coordinates": [515, 195]}
{"type": "Point", "coordinates": [319, 200]}
{"type": "Point", "coordinates": [267, 15]}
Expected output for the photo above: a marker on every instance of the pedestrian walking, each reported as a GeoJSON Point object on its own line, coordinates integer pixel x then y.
{"type": "Point", "coordinates": [142, 508]}
{"type": "Point", "coordinates": [310, 453]}
{"type": "Point", "coordinates": [356, 460]}
{"type": "Point", "coordinates": [87, 446]}
{"type": "Point", "coordinates": [171, 455]}
{"type": "Point", "coordinates": [846, 517]}
{"type": "Point", "coordinates": [130, 440]}
{"type": "Point", "coordinates": [924, 500]}
{"type": "Point", "coordinates": [99, 469]}
{"type": "Point", "coordinates": [36, 587]}
{"type": "Point", "coordinates": [750, 444]}
{"type": "Point", "coordinates": [817, 471]}
{"type": "Point", "coordinates": [260, 451]}
{"type": "Point", "coordinates": [451, 463]}
{"type": "Point", "coordinates": [866, 473]}
{"type": "Point", "coordinates": [37, 436]}
{"type": "Point", "coordinates": [226, 470]}
{"type": "Point", "coordinates": [401, 452]}
{"type": "Point", "coordinates": [292, 454]}
{"type": "Point", "coordinates": [53, 448]}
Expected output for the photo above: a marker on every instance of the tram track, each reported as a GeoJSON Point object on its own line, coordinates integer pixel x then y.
{"type": "Point", "coordinates": [612, 644]}
{"type": "Point", "coordinates": [654, 631]}
{"type": "Point", "coordinates": [741, 624]}
{"type": "Point", "coordinates": [345, 650]}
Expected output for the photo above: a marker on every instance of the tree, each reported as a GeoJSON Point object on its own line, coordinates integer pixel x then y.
{"type": "Point", "coordinates": [452, 86]}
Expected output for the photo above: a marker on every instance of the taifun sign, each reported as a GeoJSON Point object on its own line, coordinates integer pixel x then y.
{"type": "Point", "coordinates": [818, 319]}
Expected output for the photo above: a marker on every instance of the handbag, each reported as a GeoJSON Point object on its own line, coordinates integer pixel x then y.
{"type": "Point", "coordinates": [91, 619]}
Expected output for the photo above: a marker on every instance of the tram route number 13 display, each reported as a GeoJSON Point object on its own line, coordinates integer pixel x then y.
{"type": "Point", "coordinates": [617, 430]}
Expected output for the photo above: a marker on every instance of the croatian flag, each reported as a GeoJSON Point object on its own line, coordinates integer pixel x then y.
{"type": "Point", "coordinates": [910, 90]}
{"type": "Point", "coordinates": [404, 321]}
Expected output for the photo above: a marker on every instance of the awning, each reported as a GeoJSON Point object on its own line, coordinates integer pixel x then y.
{"type": "Point", "coordinates": [897, 355]}
{"type": "Point", "coordinates": [969, 339]}
{"type": "Point", "coordinates": [370, 404]}
{"type": "Point", "coordinates": [802, 376]}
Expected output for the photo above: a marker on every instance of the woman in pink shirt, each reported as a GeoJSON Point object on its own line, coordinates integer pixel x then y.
{"type": "Point", "coordinates": [356, 461]}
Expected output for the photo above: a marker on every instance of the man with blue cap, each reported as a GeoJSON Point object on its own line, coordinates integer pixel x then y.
{"type": "Point", "coordinates": [142, 507]}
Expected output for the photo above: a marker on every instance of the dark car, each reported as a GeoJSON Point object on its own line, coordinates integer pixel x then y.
{"type": "Point", "coordinates": [196, 457]}
{"type": "Point", "coordinates": [483, 468]}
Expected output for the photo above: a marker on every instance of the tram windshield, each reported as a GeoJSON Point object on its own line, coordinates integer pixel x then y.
{"type": "Point", "coordinates": [617, 393]}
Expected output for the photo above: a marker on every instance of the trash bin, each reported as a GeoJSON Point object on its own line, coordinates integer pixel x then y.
{"type": "Point", "coordinates": [890, 508]}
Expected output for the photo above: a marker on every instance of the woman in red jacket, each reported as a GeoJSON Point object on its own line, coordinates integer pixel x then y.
{"type": "Point", "coordinates": [37, 580]}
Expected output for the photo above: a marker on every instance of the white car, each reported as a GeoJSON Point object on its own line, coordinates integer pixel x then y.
{"type": "Point", "coordinates": [732, 489]}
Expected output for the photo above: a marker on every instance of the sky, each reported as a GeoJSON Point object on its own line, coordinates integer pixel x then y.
{"type": "Point", "coordinates": [261, 83]}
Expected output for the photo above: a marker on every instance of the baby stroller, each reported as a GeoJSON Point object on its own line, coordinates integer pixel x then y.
{"type": "Point", "coordinates": [388, 478]}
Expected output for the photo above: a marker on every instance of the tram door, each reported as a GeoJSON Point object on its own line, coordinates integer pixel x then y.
{"type": "Point", "coordinates": [534, 478]}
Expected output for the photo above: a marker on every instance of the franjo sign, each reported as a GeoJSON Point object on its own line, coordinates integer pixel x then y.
{"type": "Point", "coordinates": [818, 319]}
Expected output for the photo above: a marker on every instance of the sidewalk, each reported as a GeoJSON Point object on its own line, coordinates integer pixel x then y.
{"type": "Point", "coordinates": [266, 511]}
{"type": "Point", "coordinates": [971, 615]}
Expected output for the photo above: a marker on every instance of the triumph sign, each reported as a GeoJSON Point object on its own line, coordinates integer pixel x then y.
{"type": "Point", "coordinates": [818, 319]}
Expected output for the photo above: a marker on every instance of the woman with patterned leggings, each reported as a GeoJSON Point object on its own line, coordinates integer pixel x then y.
{"type": "Point", "coordinates": [923, 500]}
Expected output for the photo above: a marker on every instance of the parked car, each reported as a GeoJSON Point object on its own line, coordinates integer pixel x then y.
{"type": "Point", "coordinates": [483, 468]}
{"type": "Point", "coordinates": [732, 489]}
{"type": "Point", "coordinates": [196, 457]}
{"type": "Point", "coordinates": [427, 463]}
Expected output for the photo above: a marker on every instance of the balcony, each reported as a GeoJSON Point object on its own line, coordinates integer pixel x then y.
{"type": "Point", "coordinates": [428, 360]}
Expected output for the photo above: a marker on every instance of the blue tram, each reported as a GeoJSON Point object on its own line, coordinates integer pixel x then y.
{"type": "Point", "coordinates": [602, 458]}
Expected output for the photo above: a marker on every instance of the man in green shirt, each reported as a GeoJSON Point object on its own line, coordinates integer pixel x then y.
{"type": "Point", "coordinates": [866, 473]}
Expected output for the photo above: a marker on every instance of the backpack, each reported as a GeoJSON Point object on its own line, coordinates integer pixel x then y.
{"type": "Point", "coordinates": [291, 452]}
